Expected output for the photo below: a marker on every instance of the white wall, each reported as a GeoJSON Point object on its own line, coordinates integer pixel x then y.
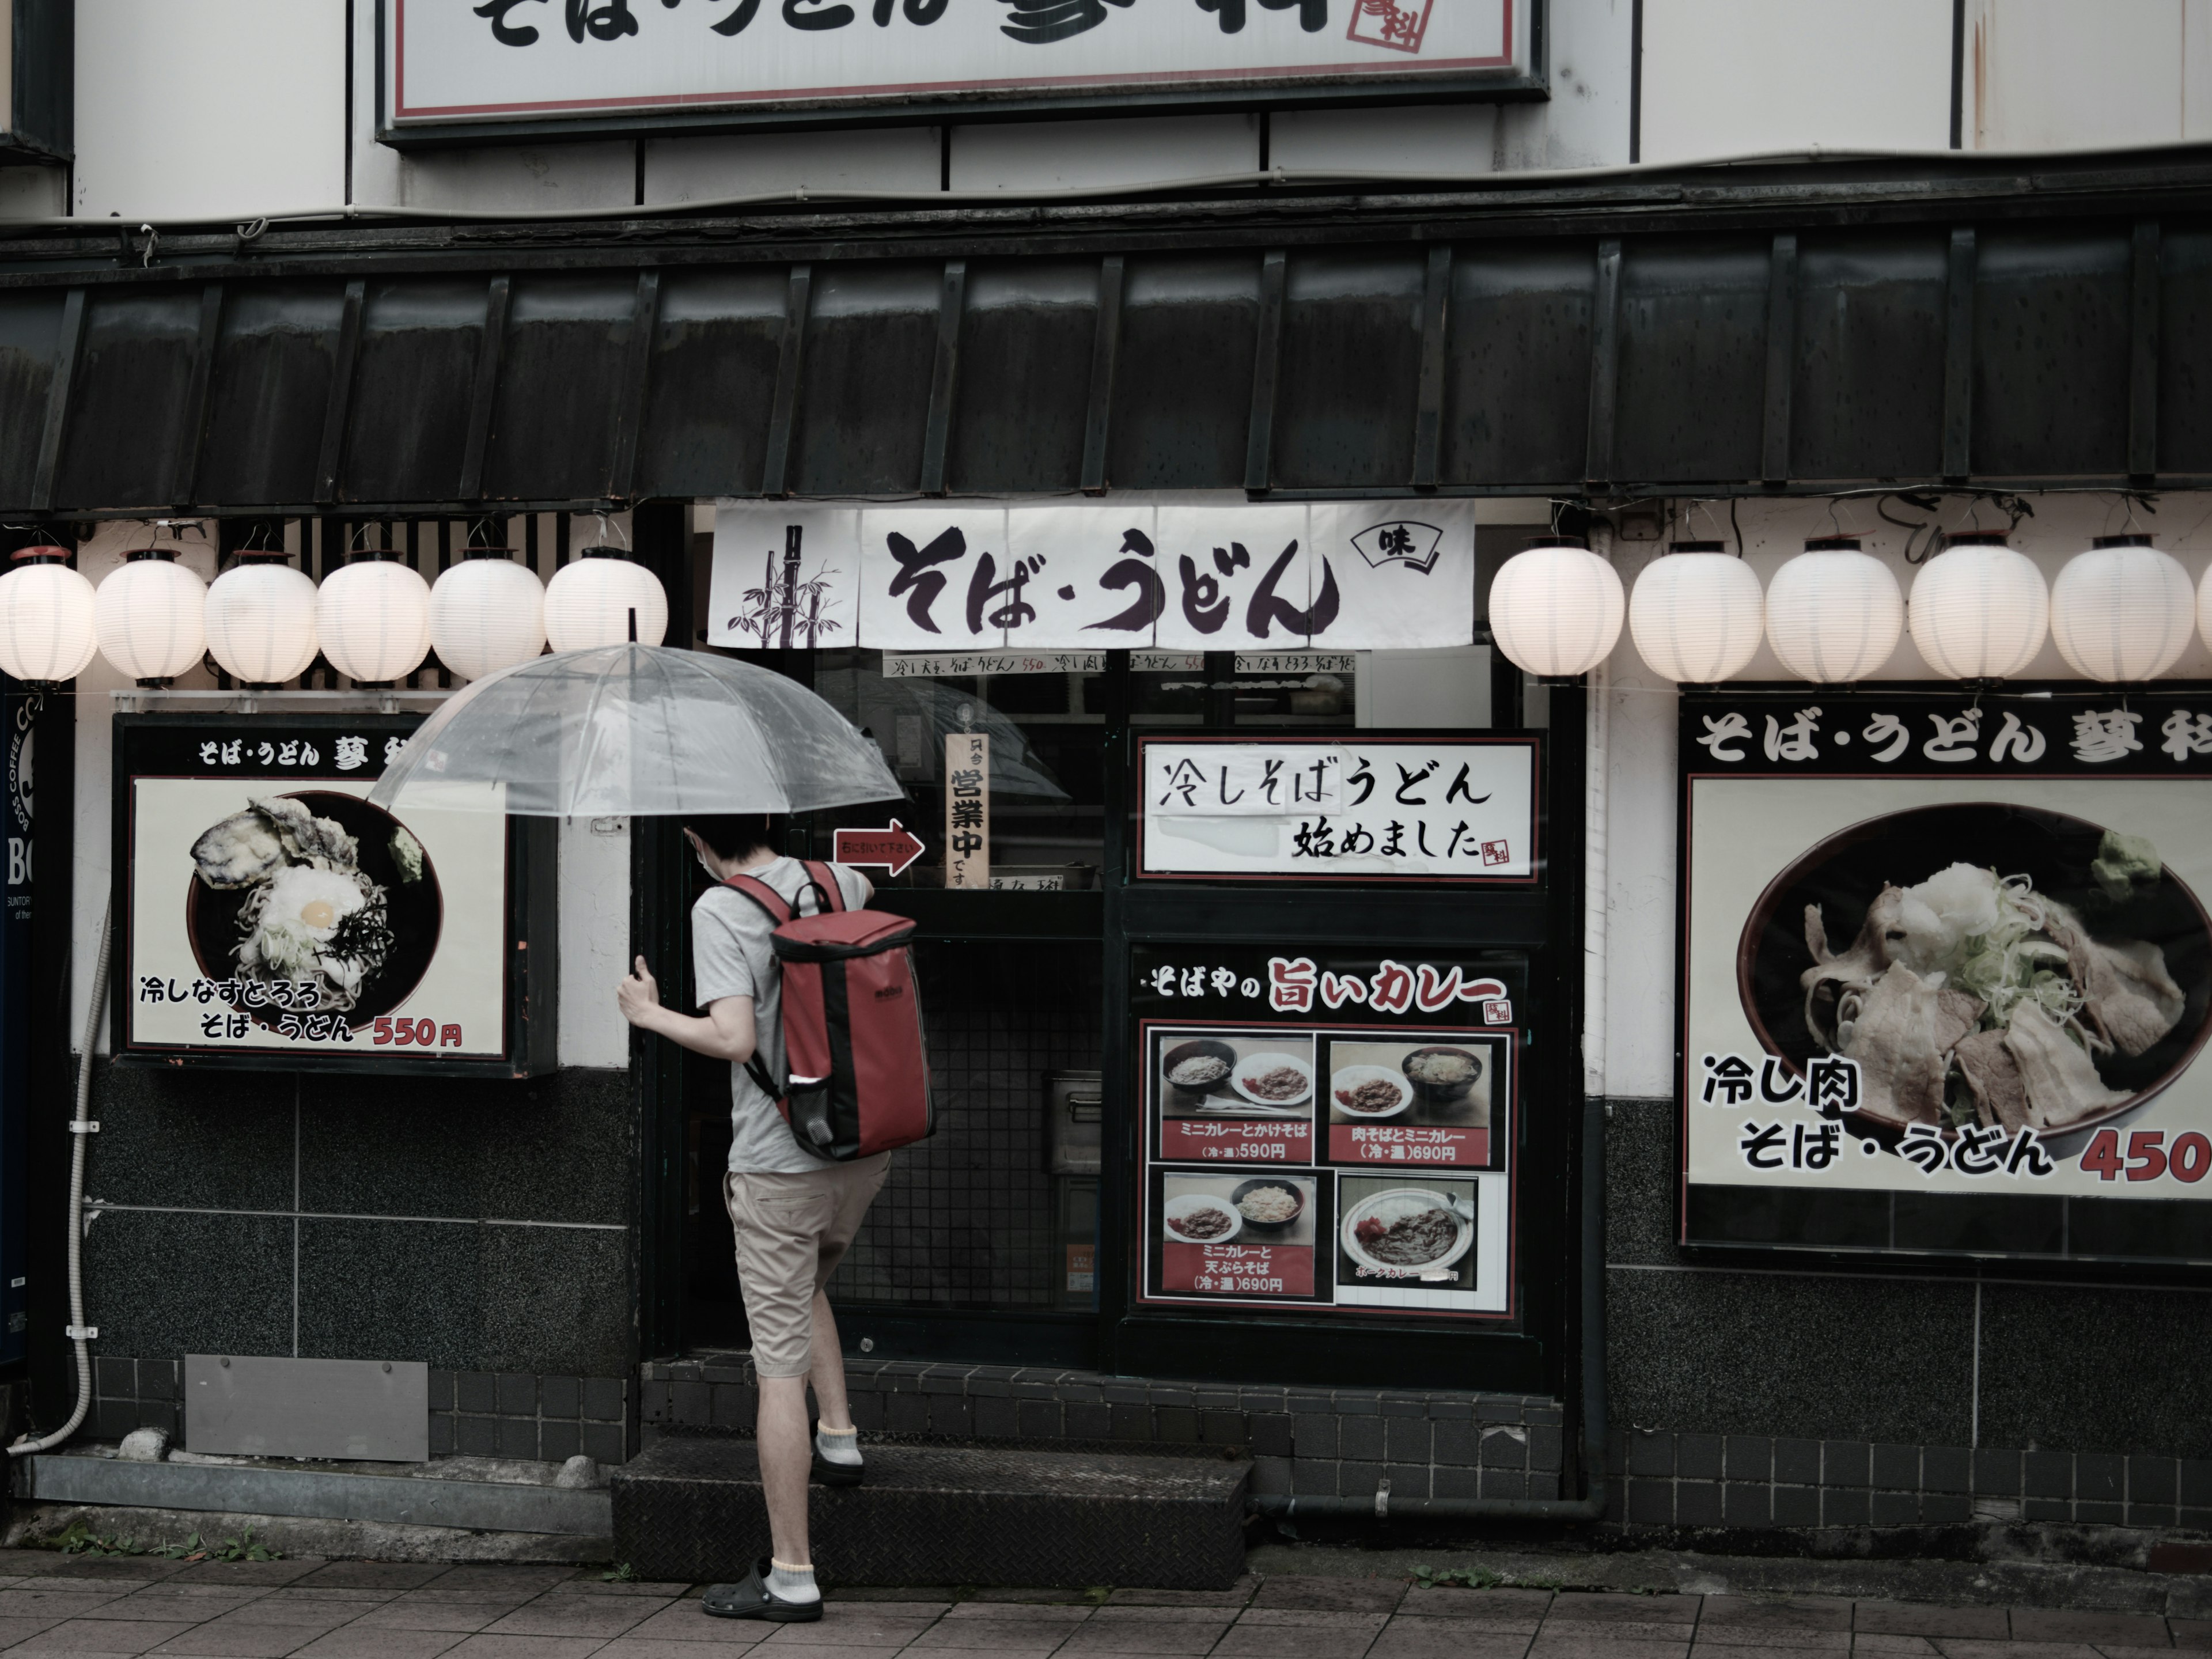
{"type": "Point", "coordinates": [1069, 154]}
{"type": "Point", "coordinates": [1418, 138]}
{"type": "Point", "coordinates": [594, 940]}
{"type": "Point", "coordinates": [209, 106]}
{"type": "Point", "coordinates": [2042, 73]}
{"type": "Point", "coordinates": [703, 169]}
{"type": "Point", "coordinates": [1730, 76]}
{"type": "Point", "coordinates": [1584, 123]}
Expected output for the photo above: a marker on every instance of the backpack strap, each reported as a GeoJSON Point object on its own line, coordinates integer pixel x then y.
{"type": "Point", "coordinates": [823, 879]}
{"type": "Point", "coordinates": [761, 894]}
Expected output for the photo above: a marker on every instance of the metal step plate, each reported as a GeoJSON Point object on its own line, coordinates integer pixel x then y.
{"type": "Point", "coordinates": [691, 1509]}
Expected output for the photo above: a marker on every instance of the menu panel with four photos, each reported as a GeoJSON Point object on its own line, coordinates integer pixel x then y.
{"type": "Point", "coordinates": [1326, 1129]}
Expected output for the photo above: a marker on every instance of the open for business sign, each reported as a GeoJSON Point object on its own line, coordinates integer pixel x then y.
{"type": "Point", "coordinates": [451, 62]}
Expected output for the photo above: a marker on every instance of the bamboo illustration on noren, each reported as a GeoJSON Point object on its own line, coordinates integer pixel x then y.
{"type": "Point", "coordinates": [785, 612]}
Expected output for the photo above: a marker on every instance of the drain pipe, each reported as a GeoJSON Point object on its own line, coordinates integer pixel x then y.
{"type": "Point", "coordinates": [1591, 1505]}
{"type": "Point", "coordinates": [79, 1132]}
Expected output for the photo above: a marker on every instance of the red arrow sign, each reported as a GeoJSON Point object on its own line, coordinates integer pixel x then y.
{"type": "Point", "coordinates": [891, 849]}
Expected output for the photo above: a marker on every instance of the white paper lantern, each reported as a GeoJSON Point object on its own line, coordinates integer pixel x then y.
{"type": "Point", "coordinates": [486, 613]}
{"type": "Point", "coordinates": [1698, 614]}
{"type": "Point", "coordinates": [150, 616]}
{"type": "Point", "coordinates": [46, 618]}
{"type": "Point", "coordinates": [588, 602]}
{"type": "Point", "coordinates": [1979, 611]}
{"type": "Point", "coordinates": [261, 620]}
{"type": "Point", "coordinates": [373, 617]}
{"type": "Point", "coordinates": [1556, 608]}
{"type": "Point", "coordinates": [1833, 614]}
{"type": "Point", "coordinates": [2121, 612]}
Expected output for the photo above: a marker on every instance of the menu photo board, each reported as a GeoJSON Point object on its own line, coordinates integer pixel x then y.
{"type": "Point", "coordinates": [1327, 1130]}
{"type": "Point", "coordinates": [1364, 807]}
{"type": "Point", "coordinates": [1947, 972]}
{"type": "Point", "coordinates": [272, 918]}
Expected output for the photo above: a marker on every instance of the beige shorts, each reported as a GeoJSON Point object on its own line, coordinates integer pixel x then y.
{"type": "Point", "coordinates": [793, 1231]}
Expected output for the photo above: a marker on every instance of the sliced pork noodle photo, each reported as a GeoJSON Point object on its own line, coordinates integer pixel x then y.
{"type": "Point", "coordinates": [1970, 996]}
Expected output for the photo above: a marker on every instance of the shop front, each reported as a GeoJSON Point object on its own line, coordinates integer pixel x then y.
{"type": "Point", "coordinates": [1263, 900]}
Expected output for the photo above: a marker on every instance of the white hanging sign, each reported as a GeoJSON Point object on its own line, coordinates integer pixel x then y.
{"type": "Point", "coordinates": [985, 579]}
{"type": "Point", "coordinates": [450, 61]}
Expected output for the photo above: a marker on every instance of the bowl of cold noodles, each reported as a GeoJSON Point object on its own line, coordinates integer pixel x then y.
{"type": "Point", "coordinates": [1983, 963]}
{"type": "Point", "coordinates": [1200, 1218]}
{"type": "Point", "coordinates": [1368, 1091]}
{"type": "Point", "coordinates": [1408, 1231]}
{"type": "Point", "coordinates": [1268, 1205]}
{"type": "Point", "coordinates": [1442, 1075]}
{"type": "Point", "coordinates": [1196, 1069]}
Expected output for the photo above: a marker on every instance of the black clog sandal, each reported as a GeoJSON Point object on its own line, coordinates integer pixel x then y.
{"type": "Point", "coordinates": [829, 1474]}
{"type": "Point", "coordinates": [750, 1598]}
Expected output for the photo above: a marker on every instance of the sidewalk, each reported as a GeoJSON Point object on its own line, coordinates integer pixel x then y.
{"type": "Point", "coordinates": [81, 1606]}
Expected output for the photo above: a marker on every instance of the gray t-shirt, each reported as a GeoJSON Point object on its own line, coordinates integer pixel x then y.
{"type": "Point", "coordinates": [733, 955]}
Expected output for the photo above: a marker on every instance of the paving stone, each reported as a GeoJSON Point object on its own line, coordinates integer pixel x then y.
{"type": "Point", "coordinates": [1332, 1595]}
{"type": "Point", "coordinates": [1926, 1618]}
{"type": "Point", "coordinates": [1800, 1612]}
{"type": "Point", "coordinates": [1487, 1605]}
{"type": "Point", "coordinates": [1433, 1639]}
{"type": "Point", "coordinates": [1594, 1605]}
{"type": "Point", "coordinates": [2061, 1624]}
{"type": "Point", "coordinates": [574, 1615]}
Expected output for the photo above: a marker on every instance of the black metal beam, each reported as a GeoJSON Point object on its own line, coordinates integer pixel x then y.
{"type": "Point", "coordinates": [2145, 304]}
{"type": "Point", "coordinates": [191, 431]}
{"type": "Point", "coordinates": [343, 353]}
{"type": "Point", "coordinates": [1781, 357]}
{"type": "Point", "coordinates": [57, 399]}
{"type": "Point", "coordinates": [1429, 409]}
{"type": "Point", "coordinates": [1958, 356]}
{"type": "Point", "coordinates": [1105, 349]}
{"type": "Point", "coordinates": [944, 379]}
{"type": "Point", "coordinates": [629, 415]}
{"type": "Point", "coordinates": [1267, 362]}
{"type": "Point", "coordinates": [790, 356]}
{"type": "Point", "coordinates": [1604, 365]}
{"type": "Point", "coordinates": [484, 393]}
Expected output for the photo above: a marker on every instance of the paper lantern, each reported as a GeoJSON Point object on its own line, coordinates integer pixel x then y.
{"type": "Point", "coordinates": [1833, 614]}
{"type": "Point", "coordinates": [1556, 608]}
{"type": "Point", "coordinates": [1698, 614]}
{"type": "Point", "coordinates": [1979, 611]}
{"type": "Point", "coordinates": [373, 617]}
{"type": "Point", "coordinates": [150, 616]}
{"type": "Point", "coordinates": [46, 618]}
{"type": "Point", "coordinates": [261, 620]}
{"type": "Point", "coordinates": [588, 602]}
{"type": "Point", "coordinates": [2121, 612]}
{"type": "Point", "coordinates": [486, 613]}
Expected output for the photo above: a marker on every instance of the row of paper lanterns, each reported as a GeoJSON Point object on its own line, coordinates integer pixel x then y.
{"type": "Point", "coordinates": [263, 621]}
{"type": "Point", "coordinates": [2121, 611]}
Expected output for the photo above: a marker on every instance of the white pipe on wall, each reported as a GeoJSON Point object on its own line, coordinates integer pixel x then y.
{"type": "Point", "coordinates": [1596, 762]}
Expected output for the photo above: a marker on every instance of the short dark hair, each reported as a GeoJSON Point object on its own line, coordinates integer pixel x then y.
{"type": "Point", "coordinates": [734, 834]}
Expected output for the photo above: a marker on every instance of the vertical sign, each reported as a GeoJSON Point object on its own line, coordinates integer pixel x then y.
{"type": "Point", "coordinates": [967, 810]}
{"type": "Point", "coordinates": [24, 711]}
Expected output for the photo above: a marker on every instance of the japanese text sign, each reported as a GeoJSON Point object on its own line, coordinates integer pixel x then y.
{"type": "Point", "coordinates": [270, 910]}
{"type": "Point", "coordinates": [451, 61]}
{"type": "Point", "coordinates": [1950, 946]}
{"type": "Point", "coordinates": [967, 810]}
{"type": "Point", "coordinates": [991, 578]}
{"type": "Point", "coordinates": [1339, 809]}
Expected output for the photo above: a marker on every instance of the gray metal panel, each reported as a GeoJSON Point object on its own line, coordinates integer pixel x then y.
{"type": "Point", "coordinates": [127, 409]}
{"type": "Point", "coordinates": [870, 356]}
{"type": "Point", "coordinates": [273, 360]}
{"type": "Point", "coordinates": [412, 381]}
{"type": "Point", "coordinates": [1867, 401]}
{"type": "Point", "coordinates": [563, 372]}
{"type": "Point", "coordinates": [1516, 362]}
{"type": "Point", "coordinates": [2053, 351]}
{"type": "Point", "coordinates": [479, 1506]}
{"type": "Point", "coordinates": [1347, 384]}
{"type": "Point", "coordinates": [247, 1406]}
{"type": "Point", "coordinates": [30, 329]}
{"type": "Point", "coordinates": [1183, 378]}
{"type": "Point", "coordinates": [1028, 340]}
{"type": "Point", "coordinates": [713, 380]}
{"type": "Point", "coordinates": [1693, 390]}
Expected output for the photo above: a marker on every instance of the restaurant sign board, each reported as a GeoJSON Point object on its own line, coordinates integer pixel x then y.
{"type": "Point", "coordinates": [1327, 1129]}
{"type": "Point", "coordinates": [451, 63]}
{"type": "Point", "coordinates": [271, 917]}
{"type": "Point", "coordinates": [1362, 807]}
{"type": "Point", "coordinates": [1947, 972]}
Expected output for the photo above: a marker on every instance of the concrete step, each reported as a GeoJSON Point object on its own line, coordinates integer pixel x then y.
{"type": "Point", "coordinates": [477, 1494]}
{"type": "Point", "coordinates": [690, 1507]}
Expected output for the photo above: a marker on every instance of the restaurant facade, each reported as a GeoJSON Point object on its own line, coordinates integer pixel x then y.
{"type": "Point", "coordinates": [1799, 1052]}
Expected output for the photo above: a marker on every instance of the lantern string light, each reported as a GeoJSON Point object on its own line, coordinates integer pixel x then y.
{"type": "Point", "coordinates": [1978, 611]}
{"type": "Point", "coordinates": [1698, 614]}
{"type": "Point", "coordinates": [1834, 613]}
{"type": "Point", "coordinates": [1556, 608]}
{"type": "Point", "coordinates": [47, 633]}
{"type": "Point", "coordinates": [589, 601]}
{"type": "Point", "coordinates": [486, 613]}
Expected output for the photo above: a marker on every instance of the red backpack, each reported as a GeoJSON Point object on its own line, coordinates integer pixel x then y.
{"type": "Point", "coordinates": [859, 1073]}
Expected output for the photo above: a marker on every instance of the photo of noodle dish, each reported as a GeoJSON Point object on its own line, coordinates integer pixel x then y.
{"type": "Point", "coordinates": [312, 900]}
{"type": "Point", "coordinates": [1983, 965]}
{"type": "Point", "coordinates": [1227, 1072]}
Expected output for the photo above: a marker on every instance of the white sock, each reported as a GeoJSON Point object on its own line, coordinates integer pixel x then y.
{"type": "Point", "coordinates": [788, 1584]}
{"type": "Point", "coordinates": [838, 1446]}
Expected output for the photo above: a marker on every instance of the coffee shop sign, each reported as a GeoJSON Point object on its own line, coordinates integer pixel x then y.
{"type": "Point", "coordinates": [452, 61]}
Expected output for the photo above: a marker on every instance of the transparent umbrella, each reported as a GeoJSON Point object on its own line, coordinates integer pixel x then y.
{"type": "Point", "coordinates": [623, 729]}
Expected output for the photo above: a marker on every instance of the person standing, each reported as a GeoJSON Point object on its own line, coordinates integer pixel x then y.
{"type": "Point", "coordinates": [794, 1214]}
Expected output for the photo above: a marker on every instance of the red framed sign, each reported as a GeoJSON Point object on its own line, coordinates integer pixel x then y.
{"type": "Point", "coordinates": [1334, 1133]}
